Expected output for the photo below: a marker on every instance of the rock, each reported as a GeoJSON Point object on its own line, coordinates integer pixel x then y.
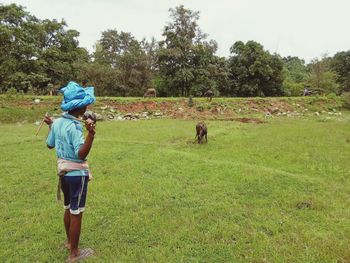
{"type": "Point", "coordinates": [110, 116]}
{"type": "Point", "coordinates": [104, 107]}
{"type": "Point", "coordinates": [268, 115]}
{"type": "Point", "coordinates": [317, 113]}
{"type": "Point", "coordinates": [273, 110]}
{"type": "Point", "coordinates": [112, 110]}
{"type": "Point", "coordinates": [37, 101]}
{"type": "Point", "coordinates": [120, 118]}
{"type": "Point", "coordinates": [157, 114]}
{"type": "Point", "coordinates": [99, 117]}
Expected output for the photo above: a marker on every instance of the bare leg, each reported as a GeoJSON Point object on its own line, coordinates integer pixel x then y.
{"type": "Point", "coordinates": [74, 234]}
{"type": "Point", "coordinates": [66, 220]}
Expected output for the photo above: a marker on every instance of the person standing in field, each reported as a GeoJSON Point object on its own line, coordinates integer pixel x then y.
{"type": "Point", "coordinates": [66, 136]}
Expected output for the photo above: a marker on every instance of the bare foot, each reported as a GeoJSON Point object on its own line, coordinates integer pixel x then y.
{"type": "Point", "coordinates": [83, 253]}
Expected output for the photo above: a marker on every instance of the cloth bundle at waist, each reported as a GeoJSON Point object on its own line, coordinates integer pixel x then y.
{"type": "Point", "coordinates": [65, 166]}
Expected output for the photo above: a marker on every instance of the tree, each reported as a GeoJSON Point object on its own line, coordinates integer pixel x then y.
{"type": "Point", "coordinates": [174, 56]}
{"type": "Point", "coordinates": [187, 63]}
{"type": "Point", "coordinates": [296, 75]}
{"type": "Point", "coordinates": [35, 52]}
{"type": "Point", "coordinates": [254, 71]}
{"type": "Point", "coordinates": [124, 54]}
{"type": "Point", "coordinates": [322, 79]}
{"type": "Point", "coordinates": [340, 63]}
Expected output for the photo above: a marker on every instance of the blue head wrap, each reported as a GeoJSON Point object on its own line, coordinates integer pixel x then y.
{"type": "Point", "coordinates": [75, 96]}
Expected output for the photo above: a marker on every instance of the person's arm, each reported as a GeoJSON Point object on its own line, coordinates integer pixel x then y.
{"type": "Point", "coordinates": [86, 147]}
{"type": "Point", "coordinates": [50, 141]}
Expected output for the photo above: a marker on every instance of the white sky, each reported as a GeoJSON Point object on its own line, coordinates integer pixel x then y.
{"type": "Point", "coordinates": [304, 28]}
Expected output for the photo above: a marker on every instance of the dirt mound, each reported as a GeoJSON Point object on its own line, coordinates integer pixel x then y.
{"type": "Point", "coordinates": [245, 110]}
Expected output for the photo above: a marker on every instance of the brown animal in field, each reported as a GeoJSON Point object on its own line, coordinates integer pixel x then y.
{"type": "Point", "coordinates": [150, 93]}
{"type": "Point", "coordinates": [201, 131]}
{"type": "Point", "coordinates": [209, 94]}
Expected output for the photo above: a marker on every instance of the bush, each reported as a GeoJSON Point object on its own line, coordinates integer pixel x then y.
{"type": "Point", "coordinates": [11, 92]}
{"type": "Point", "coordinates": [332, 96]}
{"type": "Point", "coordinates": [346, 100]}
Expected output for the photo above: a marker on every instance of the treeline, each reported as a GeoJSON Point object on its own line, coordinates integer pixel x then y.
{"type": "Point", "coordinates": [37, 56]}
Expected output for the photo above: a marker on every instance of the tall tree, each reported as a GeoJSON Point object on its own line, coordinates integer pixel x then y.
{"type": "Point", "coordinates": [296, 75]}
{"type": "Point", "coordinates": [186, 61]}
{"type": "Point", "coordinates": [174, 56]}
{"type": "Point", "coordinates": [340, 64]}
{"type": "Point", "coordinates": [254, 71]}
{"type": "Point", "coordinates": [322, 79]}
{"type": "Point", "coordinates": [123, 53]}
{"type": "Point", "coordinates": [34, 53]}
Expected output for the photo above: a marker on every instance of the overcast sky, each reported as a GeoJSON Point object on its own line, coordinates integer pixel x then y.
{"type": "Point", "coordinates": [304, 28]}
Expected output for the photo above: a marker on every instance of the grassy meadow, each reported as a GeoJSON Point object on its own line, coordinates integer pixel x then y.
{"type": "Point", "coordinates": [272, 192]}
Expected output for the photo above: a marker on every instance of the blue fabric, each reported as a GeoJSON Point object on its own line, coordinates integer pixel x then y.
{"type": "Point", "coordinates": [66, 136]}
{"type": "Point", "coordinates": [74, 190]}
{"type": "Point", "coordinates": [75, 96]}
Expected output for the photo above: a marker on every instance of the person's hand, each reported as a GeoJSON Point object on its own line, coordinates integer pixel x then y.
{"type": "Point", "coordinates": [48, 120]}
{"type": "Point", "coordinates": [90, 126]}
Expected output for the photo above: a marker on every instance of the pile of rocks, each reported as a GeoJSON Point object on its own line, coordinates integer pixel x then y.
{"type": "Point", "coordinates": [111, 114]}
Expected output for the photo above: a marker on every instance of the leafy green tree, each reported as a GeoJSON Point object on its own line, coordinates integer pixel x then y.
{"type": "Point", "coordinates": [254, 71]}
{"type": "Point", "coordinates": [36, 52]}
{"type": "Point", "coordinates": [187, 63]}
{"type": "Point", "coordinates": [125, 55]}
{"type": "Point", "coordinates": [296, 75]}
{"type": "Point", "coordinates": [340, 63]}
{"type": "Point", "coordinates": [102, 76]}
{"type": "Point", "coordinates": [174, 55]}
{"type": "Point", "coordinates": [209, 71]}
{"type": "Point", "coordinates": [322, 79]}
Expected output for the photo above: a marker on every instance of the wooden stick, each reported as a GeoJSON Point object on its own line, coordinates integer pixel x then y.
{"type": "Point", "coordinates": [41, 124]}
{"type": "Point", "coordinates": [46, 114]}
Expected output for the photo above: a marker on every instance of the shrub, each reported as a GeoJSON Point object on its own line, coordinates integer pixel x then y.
{"type": "Point", "coordinates": [346, 100]}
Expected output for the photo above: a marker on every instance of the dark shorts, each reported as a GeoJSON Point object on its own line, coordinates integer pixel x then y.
{"type": "Point", "coordinates": [74, 190]}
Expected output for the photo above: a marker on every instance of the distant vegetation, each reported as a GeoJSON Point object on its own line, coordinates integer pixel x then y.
{"type": "Point", "coordinates": [38, 56]}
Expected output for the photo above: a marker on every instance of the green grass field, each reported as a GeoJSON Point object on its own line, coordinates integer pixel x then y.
{"type": "Point", "coordinates": [273, 192]}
